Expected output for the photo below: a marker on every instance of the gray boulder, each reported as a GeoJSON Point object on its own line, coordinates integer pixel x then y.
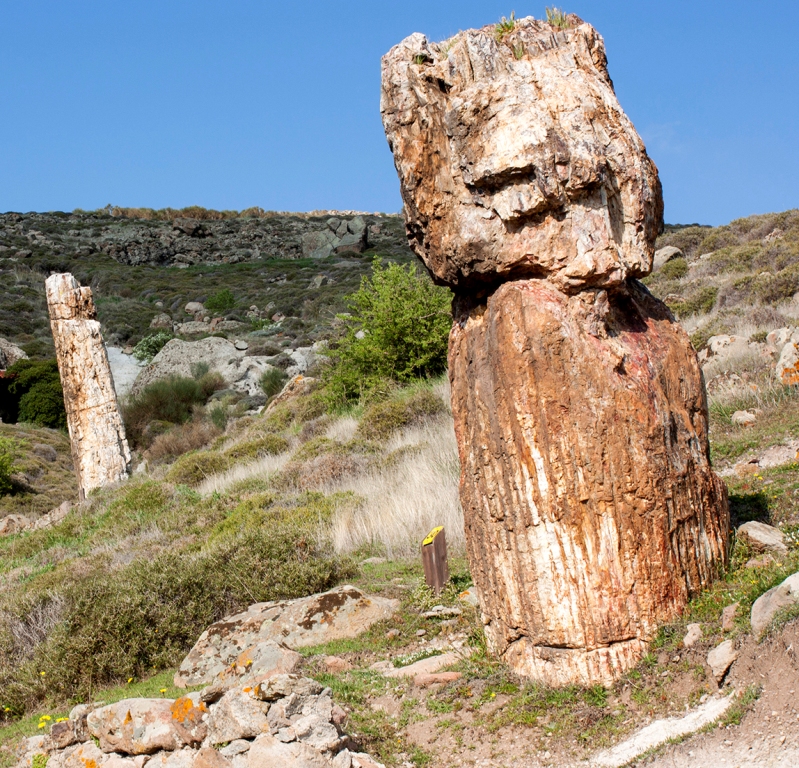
{"type": "Point", "coordinates": [785, 595]}
{"type": "Point", "coordinates": [10, 354]}
{"type": "Point", "coordinates": [177, 358]}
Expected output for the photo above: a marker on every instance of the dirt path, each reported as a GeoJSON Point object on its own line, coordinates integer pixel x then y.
{"type": "Point", "coordinates": [769, 734]}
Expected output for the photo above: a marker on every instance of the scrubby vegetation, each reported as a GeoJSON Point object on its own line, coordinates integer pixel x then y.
{"type": "Point", "coordinates": [9, 450]}
{"type": "Point", "coordinates": [360, 465]}
{"type": "Point", "coordinates": [98, 616]}
{"type": "Point", "coordinates": [396, 331]}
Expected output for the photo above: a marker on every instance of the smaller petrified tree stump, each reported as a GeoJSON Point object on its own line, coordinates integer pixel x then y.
{"type": "Point", "coordinates": [100, 450]}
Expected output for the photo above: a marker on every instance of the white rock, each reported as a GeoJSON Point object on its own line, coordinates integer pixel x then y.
{"type": "Point", "coordinates": [784, 595]}
{"type": "Point", "coordinates": [236, 716]}
{"type": "Point", "coordinates": [661, 731]}
{"type": "Point", "coordinates": [424, 667]}
{"type": "Point", "coordinates": [693, 635]}
{"type": "Point", "coordinates": [664, 255]}
{"type": "Point", "coordinates": [743, 418]}
{"type": "Point", "coordinates": [720, 659]}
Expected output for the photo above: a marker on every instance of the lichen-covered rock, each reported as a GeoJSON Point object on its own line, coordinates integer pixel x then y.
{"type": "Point", "coordinates": [237, 715]}
{"type": "Point", "coordinates": [99, 449]}
{"type": "Point", "coordinates": [145, 726]}
{"type": "Point", "coordinates": [591, 511]}
{"type": "Point", "coordinates": [342, 612]}
{"type": "Point", "coordinates": [516, 160]}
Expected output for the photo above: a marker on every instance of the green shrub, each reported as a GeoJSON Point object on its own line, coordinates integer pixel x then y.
{"type": "Point", "coordinates": [8, 453]}
{"type": "Point", "coordinates": [38, 394]}
{"type": "Point", "coordinates": [384, 419]}
{"type": "Point", "coordinates": [674, 269]}
{"type": "Point", "coordinates": [221, 302]}
{"type": "Point", "coordinates": [700, 303]}
{"type": "Point", "coordinates": [170, 400]}
{"type": "Point", "coordinates": [146, 616]}
{"type": "Point", "coordinates": [151, 345]}
{"type": "Point", "coordinates": [397, 331]}
{"type": "Point", "coordinates": [193, 468]}
{"type": "Point", "coordinates": [272, 381]}
{"type": "Point", "coordinates": [268, 445]}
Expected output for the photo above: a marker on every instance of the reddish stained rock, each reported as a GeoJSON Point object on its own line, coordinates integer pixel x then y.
{"type": "Point", "coordinates": [592, 513]}
{"type": "Point", "coordinates": [425, 681]}
{"type": "Point", "coordinates": [145, 726]}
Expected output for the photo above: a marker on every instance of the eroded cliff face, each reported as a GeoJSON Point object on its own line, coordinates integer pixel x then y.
{"type": "Point", "coordinates": [99, 448]}
{"type": "Point", "coordinates": [592, 513]}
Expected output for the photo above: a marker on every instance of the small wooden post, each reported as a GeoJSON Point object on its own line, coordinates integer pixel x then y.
{"type": "Point", "coordinates": [434, 559]}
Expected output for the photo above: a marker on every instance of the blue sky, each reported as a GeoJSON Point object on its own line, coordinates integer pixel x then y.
{"type": "Point", "coordinates": [239, 103]}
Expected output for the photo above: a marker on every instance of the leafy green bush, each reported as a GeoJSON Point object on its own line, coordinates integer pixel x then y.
{"type": "Point", "coordinates": [382, 420]}
{"type": "Point", "coordinates": [151, 345]}
{"type": "Point", "coordinates": [272, 381]}
{"type": "Point", "coordinates": [397, 331]}
{"type": "Point", "coordinates": [36, 388]}
{"type": "Point", "coordinates": [221, 302]}
{"type": "Point", "coordinates": [8, 454]}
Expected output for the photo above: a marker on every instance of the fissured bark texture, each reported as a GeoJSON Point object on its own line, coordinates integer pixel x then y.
{"type": "Point", "coordinates": [100, 450]}
{"type": "Point", "coordinates": [591, 510]}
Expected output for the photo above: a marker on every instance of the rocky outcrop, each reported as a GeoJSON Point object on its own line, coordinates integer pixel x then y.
{"type": "Point", "coordinates": [516, 160]}
{"type": "Point", "coordinates": [99, 449]}
{"type": "Point", "coordinates": [241, 371]}
{"type": "Point", "coordinates": [242, 640]}
{"type": "Point", "coordinates": [292, 721]}
{"type": "Point", "coordinates": [591, 511]}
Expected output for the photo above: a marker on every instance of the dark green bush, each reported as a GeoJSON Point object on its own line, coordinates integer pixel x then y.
{"type": "Point", "coordinates": [674, 269]}
{"type": "Point", "coordinates": [384, 419]}
{"type": "Point", "coordinates": [397, 330]}
{"type": "Point", "coordinates": [221, 302]}
{"type": "Point", "coordinates": [272, 381]}
{"type": "Point", "coordinates": [170, 400]}
{"type": "Point", "coordinates": [35, 388]}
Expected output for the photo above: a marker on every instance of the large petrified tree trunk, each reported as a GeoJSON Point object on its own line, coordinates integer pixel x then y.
{"type": "Point", "coordinates": [591, 511]}
{"type": "Point", "coordinates": [99, 449]}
